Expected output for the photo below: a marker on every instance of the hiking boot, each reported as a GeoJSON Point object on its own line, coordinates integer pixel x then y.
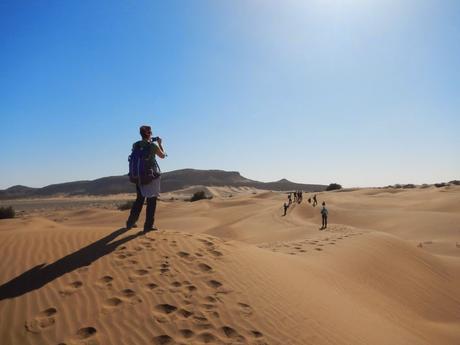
{"type": "Point", "coordinates": [129, 227]}
{"type": "Point", "coordinates": [150, 228]}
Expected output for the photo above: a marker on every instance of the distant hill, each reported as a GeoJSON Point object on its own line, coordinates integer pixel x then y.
{"type": "Point", "coordinates": [170, 181]}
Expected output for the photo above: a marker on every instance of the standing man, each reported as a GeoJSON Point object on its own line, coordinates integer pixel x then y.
{"type": "Point", "coordinates": [151, 190]}
{"type": "Point", "coordinates": [324, 213]}
{"type": "Point", "coordinates": [315, 202]}
{"type": "Point", "coordinates": [285, 208]}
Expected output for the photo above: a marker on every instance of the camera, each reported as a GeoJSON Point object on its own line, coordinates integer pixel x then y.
{"type": "Point", "coordinates": [155, 139]}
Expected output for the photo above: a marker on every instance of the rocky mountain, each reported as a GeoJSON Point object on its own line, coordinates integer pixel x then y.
{"type": "Point", "coordinates": [170, 181]}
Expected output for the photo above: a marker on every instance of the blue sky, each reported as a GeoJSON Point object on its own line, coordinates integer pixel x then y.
{"type": "Point", "coordinates": [359, 92]}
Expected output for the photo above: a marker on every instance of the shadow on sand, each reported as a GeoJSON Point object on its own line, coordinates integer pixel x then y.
{"type": "Point", "coordinates": [43, 274]}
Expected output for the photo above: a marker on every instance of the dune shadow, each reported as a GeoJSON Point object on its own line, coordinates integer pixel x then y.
{"type": "Point", "coordinates": [42, 274]}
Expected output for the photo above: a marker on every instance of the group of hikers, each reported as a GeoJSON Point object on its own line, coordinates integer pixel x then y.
{"type": "Point", "coordinates": [297, 195]}
{"type": "Point", "coordinates": [145, 173]}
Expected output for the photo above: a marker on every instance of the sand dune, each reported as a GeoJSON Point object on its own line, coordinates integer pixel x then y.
{"type": "Point", "coordinates": [232, 270]}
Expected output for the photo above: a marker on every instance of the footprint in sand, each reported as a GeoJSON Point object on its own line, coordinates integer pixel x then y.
{"type": "Point", "coordinates": [214, 284]}
{"type": "Point", "coordinates": [200, 320]}
{"type": "Point", "coordinates": [71, 288]}
{"type": "Point", "coordinates": [112, 302]}
{"type": "Point", "coordinates": [186, 333]}
{"type": "Point", "coordinates": [245, 309]}
{"type": "Point", "coordinates": [163, 339]}
{"type": "Point", "coordinates": [164, 268]}
{"type": "Point", "coordinates": [211, 299]}
{"type": "Point", "coordinates": [105, 282]}
{"type": "Point", "coordinates": [207, 338]}
{"type": "Point", "coordinates": [42, 321]}
{"type": "Point", "coordinates": [130, 296]}
{"type": "Point", "coordinates": [318, 249]}
{"type": "Point", "coordinates": [141, 272]}
{"type": "Point", "coordinates": [191, 288]}
{"type": "Point", "coordinates": [207, 243]}
{"type": "Point", "coordinates": [231, 333]}
{"type": "Point", "coordinates": [128, 293]}
{"type": "Point", "coordinates": [121, 256]}
{"type": "Point", "coordinates": [216, 253]}
{"type": "Point", "coordinates": [151, 286]}
{"type": "Point", "coordinates": [165, 308]}
{"type": "Point", "coordinates": [176, 284]}
{"type": "Point", "coordinates": [184, 255]}
{"type": "Point", "coordinates": [86, 332]}
{"type": "Point", "coordinates": [256, 334]}
{"type": "Point", "coordinates": [208, 306]}
{"type": "Point", "coordinates": [204, 268]}
{"type": "Point", "coordinates": [185, 313]}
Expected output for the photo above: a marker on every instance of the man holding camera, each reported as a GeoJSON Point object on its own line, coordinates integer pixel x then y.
{"type": "Point", "coordinates": [151, 190]}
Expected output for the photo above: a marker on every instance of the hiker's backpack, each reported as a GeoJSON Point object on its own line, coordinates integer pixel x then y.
{"type": "Point", "coordinates": [143, 167]}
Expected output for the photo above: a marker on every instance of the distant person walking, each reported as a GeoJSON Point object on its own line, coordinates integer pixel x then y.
{"type": "Point", "coordinates": [315, 202]}
{"type": "Point", "coordinates": [150, 190]}
{"type": "Point", "coordinates": [285, 206]}
{"type": "Point", "coordinates": [324, 214]}
{"type": "Point", "coordinates": [289, 200]}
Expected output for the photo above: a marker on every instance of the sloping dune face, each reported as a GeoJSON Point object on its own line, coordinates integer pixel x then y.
{"type": "Point", "coordinates": [234, 270]}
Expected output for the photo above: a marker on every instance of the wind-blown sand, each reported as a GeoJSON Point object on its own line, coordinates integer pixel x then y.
{"type": "Point", "coordinates": [232, 270]}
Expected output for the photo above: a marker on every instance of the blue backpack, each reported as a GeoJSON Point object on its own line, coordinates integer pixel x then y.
{"type": "Point", "coordinates": [143, 167]}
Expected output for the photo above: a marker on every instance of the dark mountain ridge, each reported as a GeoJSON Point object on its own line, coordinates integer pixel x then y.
{"type": "Point", "coordinates": [170, 181]}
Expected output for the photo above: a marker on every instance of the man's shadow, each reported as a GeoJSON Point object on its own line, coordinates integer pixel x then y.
{"type": "Point", "coordinates": [43, 274]}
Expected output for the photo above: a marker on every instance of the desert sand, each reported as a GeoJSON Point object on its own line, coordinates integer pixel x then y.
{"type": "Point", "coordinates": [233, 270]}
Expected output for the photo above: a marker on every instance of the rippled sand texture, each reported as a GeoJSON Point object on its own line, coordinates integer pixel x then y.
{"type": "Point", "coordinates": [233, 270]}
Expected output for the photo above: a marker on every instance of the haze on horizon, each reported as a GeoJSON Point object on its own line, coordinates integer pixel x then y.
{"type": "Point", "coordinates": [359, 92]}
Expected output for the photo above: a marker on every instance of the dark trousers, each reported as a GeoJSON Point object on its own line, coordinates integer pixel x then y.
{"type": "Point", "coordinates": [324, 221]}
{"type": "Point", "coordinates": [137, 208]}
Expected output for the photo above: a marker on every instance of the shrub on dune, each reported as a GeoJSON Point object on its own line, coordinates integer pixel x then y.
{"type": "Point", "coordinates": [7, 212]}
{"type": "Point", "coordinates": [333, 186]}
{"type": "Point", "coordinates": [200, 195]}
{"type": "Point", "coordinates": [126, 205]}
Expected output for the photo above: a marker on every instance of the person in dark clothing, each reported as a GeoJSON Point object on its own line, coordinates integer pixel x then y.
{"type": "Point", "coordinates": [149, 191]}
{"type": "Point", "coordinates": [285, 208]}
{"type": "Point", "coordinates": [324, 214]}
{"type": "Point", "coordinates": [315, 202]}
{"type": "Point", "coordinates": [289, 199]}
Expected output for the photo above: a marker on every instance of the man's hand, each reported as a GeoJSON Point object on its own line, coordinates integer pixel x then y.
{"type": "Point", "coordinates": [159, 141]}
